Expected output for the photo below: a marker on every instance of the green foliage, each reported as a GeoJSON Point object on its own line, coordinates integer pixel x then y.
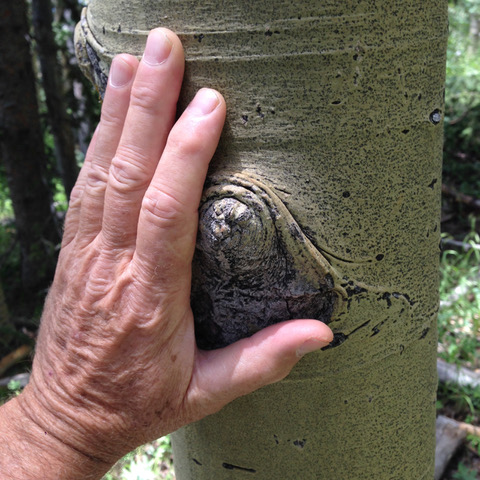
{"type": "Point", "coordinates": [13, 389]}
{"type": "Point", "coordinates": [459, 316]}
{"type": "Point", "coordinates": [459, 400]}
{"type": "Point", "coordinates": [465, 473]}
{"type": "Point", "coordinates": [6, 208]}
{"type": "Point", "coordinates": [152, 461]}
{"type": "Point", "coordinates": [462, 111]}
{"type": "Point", "coordinates": [474, 441]}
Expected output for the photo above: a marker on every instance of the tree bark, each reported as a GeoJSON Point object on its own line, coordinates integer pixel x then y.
{"type": "Point", "coordinates": [323, 201]}
{"type": "Point", "coordinates": [54, 93]}
{"type": "Point", "coordinates": [22, 149]}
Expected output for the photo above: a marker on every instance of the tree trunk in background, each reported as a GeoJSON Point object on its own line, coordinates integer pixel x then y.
{"type": "Point", "coordinates": [54, 93]}
{"type": "Point", "coordinates": [323, 201]}
{"type": "Point", "coordinates": [22, 149]}
{"type": "Point", "coordinates": [474, 33]}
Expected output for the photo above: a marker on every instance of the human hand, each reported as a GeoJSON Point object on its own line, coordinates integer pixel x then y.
{"type": "Point", "coordinates": [116, 363]}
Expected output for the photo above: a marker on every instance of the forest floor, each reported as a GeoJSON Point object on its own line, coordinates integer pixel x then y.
{"type": "Point", "coordinates": [459, 316]}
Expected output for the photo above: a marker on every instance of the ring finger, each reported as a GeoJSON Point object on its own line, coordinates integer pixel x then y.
{"type": "Point", "coordinates": [114, 111]}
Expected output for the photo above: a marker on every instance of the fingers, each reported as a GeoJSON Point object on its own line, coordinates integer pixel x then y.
{"type": "Point", "coordinates": [222, 375]}
{"type": "Point", "coordinates": [150, 117]}
{"type": "Point", "coordinates": [168, 218]}
{"type": "Point", "coordinates": [114, 110]}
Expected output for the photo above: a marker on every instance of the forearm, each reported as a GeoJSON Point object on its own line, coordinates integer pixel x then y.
{"type": "Point", "coordinates": [28, 452]}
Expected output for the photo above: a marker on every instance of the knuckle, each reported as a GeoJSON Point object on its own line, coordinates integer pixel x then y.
{"type": "Point", "coordinates": [76, 195]}
{"type": "Point", "coordinates": [127, 171]}
{"type": "Point", "coordinates": [162, 208]}
{"type": "Point", "coordinates": [97, 176]}
{"type": "Point", "coordinates": [146, 97]}
{"type": "Point", "coordinates": [111, 117]}
{"type": "Point", "coordinates": [186, 143]}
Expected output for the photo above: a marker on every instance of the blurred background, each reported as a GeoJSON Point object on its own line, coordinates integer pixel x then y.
{"type": "Point", "coordinates": [48, 112]}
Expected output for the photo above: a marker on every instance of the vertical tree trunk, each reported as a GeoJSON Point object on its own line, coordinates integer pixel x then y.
{"type": "Point", "coordinates": [323, 201]}
{"type": "Point", "coordinates": [22, 150]}
{"type": "Point", "coordinates": [474, 33]}
{"type": "Point", "coordinates": [53, 86]}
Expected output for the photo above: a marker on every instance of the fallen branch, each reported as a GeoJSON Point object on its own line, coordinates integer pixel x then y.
{"type": "Point", "coordinates": [16, 356]}
{"type": "Point", "coordinates": [461, 197]}
{"type": "Point", "coordinates": [449, 438]}
{"type": "Point", "coordinates": [459, 375]}
{"type": "Point", "coordinates": [450, 435]}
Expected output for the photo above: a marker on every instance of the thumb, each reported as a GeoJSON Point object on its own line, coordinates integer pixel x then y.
{"type": "Point", "coordinates": [222, 375]}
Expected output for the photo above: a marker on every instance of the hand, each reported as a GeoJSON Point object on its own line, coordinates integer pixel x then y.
{"type": "Point", "coordinates": [116, 363]}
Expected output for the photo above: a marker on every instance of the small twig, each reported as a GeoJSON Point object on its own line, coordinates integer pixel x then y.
{"type": "Point", "coordinates": [456, 244]}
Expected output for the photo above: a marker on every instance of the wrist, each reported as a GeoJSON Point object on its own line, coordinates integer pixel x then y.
{"type": "Point", "coordinates": [30, 449]}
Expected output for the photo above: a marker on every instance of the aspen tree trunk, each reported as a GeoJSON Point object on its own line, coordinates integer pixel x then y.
{"type": "Point", "coordinates": [323, 201]}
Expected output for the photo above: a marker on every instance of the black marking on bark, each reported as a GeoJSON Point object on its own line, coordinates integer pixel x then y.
{"type": "Point", "coordinates": [424, 333]}
{"type": "Point", "coordinates": [99, 77]}
{"type": "Point", "coordinates": [258, 109]}
{"type": "Point", "coordinates": [356, 290]}
{"type": "Point", "coordinates": [196, 461]}
{"type": "Point", "coordinates": [436, 116]}
{"type": "Point", "coordinates": [339, 338]}
{"type": "Point", "coordinates": [432, 184]}
{"type": "Point", "coordinates": [229, 466]}
{"type": "Point", "coordinates": [300, 443]}
{"type": "Point", "coordinates": [386, 296]}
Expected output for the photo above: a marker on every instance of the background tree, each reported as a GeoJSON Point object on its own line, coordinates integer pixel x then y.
{"type": "Point", "coordinates": [53, 86]}
{"type": "Point", "coordinates": [23, 153]}
{"type": "Point", "coordinates": [323, 201]}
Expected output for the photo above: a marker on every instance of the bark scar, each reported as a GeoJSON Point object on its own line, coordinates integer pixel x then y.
{"type": "Point", "coordinates": [253, 265]}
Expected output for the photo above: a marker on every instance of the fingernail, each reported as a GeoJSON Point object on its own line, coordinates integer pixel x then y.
{"type": "Point", "coordinates": [311, 345]}
{"type": "Point", "coordinates": [205, 101]}
{"type": "Point", "coordinates": [158, 48]}
{"type": "Point", "coordinates": [121, 72]}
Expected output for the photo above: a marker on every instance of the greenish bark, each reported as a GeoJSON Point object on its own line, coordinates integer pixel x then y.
{"type": "Point", "coordinates": [323, 201]}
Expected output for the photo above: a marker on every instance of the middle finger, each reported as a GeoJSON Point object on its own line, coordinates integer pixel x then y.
{"type": "Point", "coordinates": [150, 117]}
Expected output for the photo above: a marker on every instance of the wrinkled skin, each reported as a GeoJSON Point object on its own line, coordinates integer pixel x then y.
{"type": "Point", "coordinates": [116, 363]}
